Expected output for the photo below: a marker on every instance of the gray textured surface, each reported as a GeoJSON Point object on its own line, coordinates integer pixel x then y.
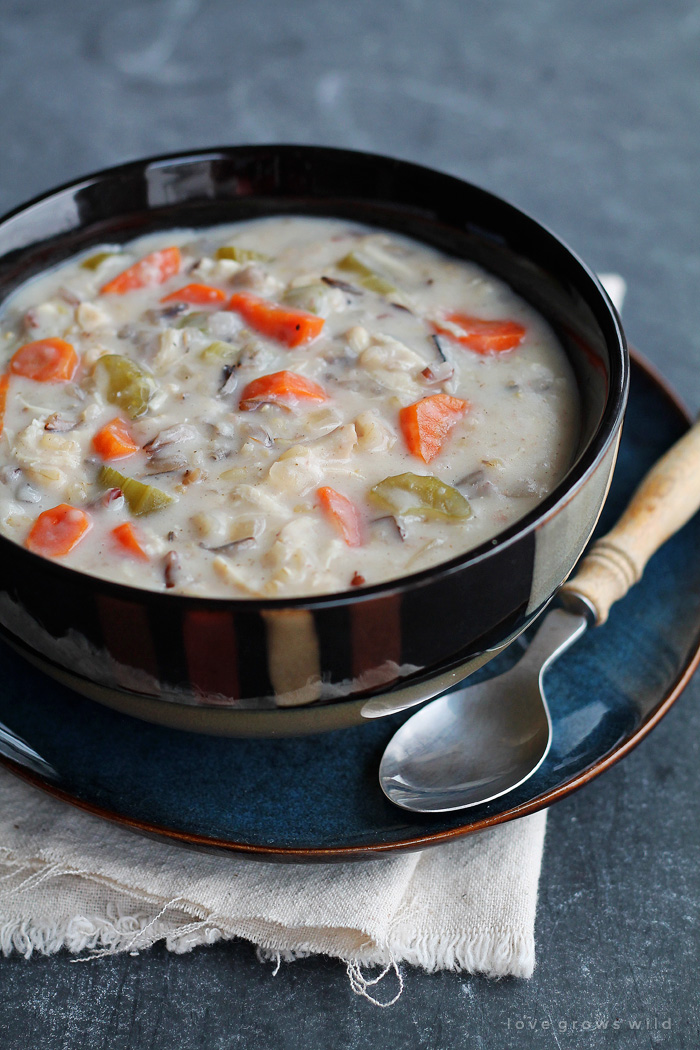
{"type": "Point", "coordinates": [585, 114]}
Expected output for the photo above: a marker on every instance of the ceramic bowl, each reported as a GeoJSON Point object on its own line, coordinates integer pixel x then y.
{"type": "Point", "coordinates": [241, 667]}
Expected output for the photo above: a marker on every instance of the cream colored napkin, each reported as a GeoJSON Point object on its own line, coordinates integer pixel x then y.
{"type": "Point", "coordinates": [70, 880]}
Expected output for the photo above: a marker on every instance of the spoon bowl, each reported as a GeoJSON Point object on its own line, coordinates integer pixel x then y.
{"type": "Point", "coordinates": [474, 744]}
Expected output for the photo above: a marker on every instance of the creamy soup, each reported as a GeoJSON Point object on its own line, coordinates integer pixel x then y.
{"type": "Point", "coordinates": [282, 407]}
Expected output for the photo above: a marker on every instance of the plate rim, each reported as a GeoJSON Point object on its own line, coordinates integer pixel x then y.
{"type": "Point", "coordinates": [415, 842]}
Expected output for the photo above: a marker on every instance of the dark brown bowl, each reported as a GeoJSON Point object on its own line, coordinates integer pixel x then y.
{"type": "Point", "coordinates": [281, 666]}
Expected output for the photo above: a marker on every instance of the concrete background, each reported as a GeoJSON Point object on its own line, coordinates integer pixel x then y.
{"type": "Point", "coordinates": [585, 114]}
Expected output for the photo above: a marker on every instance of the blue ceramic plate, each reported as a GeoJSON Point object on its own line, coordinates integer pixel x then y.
{"type": "Point", "coordinates": [317, 798]}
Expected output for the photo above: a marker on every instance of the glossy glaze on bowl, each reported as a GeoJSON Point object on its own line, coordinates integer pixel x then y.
{"type": "Point", "coordinates": [300, 665]}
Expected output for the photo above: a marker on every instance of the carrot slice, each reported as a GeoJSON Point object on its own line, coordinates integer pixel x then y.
{"type": "Point", "coordinates": [293, 327]}
{"type": "Point", "coordinates": [283, 388]}
{"type": "Point", "coordinates": [4, 384]}
{"type": "Point", "coordinates": [114, 440]}
{"type": "Point", "coordinates": [485, 337]}
{"type": "Point", "coordinates": [57, 531]}
{"type": "Point", "coordinates": [342, 514]}
{"type": "Point", "coordinates": [197, 294]}
{"type": "Point", "coordinates": [426, 424]}
{"type": "Point", "coordinates": [155, 268]}
{"type": "Point", "coordinates": [128, 540]}
{"type": "Point", "coordinates": [46, 361]}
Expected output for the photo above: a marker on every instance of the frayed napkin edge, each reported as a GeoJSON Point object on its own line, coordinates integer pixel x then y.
{"type": "Point", "coordinates": [495, 952]}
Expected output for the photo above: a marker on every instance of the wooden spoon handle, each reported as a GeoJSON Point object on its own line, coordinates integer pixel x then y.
{"type": "Point", "coordinates": [668, 496]}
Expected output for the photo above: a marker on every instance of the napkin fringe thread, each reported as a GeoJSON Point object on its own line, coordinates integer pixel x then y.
{"type": "Point", "coordinates": [491, 952]}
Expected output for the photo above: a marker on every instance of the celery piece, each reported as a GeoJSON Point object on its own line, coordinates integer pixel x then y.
{"type": "Point", "coordinates": [241, 255]}
{"type": "Point", "coordinates": [309, 297]}
{"type": "Point", "coordinates": [124, 383]}
{"type": "Point", "coordinates": [196, 319]}
{"type": "Point", "coordinates": [419, 496]}
{"type": "Point", "coordinates": [93, 261]}
{"type": "Point", "coordinates": [223, 353]}
{"type": "Point", "coordinates": [375, 283]}
{"type": "Point", "coordinates": [142, 499]}
{"type": "Point", "coordinates": [369, 278]}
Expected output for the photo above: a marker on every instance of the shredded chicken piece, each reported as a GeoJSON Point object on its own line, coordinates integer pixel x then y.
{"type": "Point", "coordinates": [48, 459]}
{"type": "Point", "coordinates": [373, 434]}
{"type": "Point", "coordinates": [91, 317]}
{"type": "Point", "coordinates": [393, 364]}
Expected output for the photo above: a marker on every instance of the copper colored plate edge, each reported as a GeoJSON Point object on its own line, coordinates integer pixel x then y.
{"type": "Point", "coordinates": [419, 842]}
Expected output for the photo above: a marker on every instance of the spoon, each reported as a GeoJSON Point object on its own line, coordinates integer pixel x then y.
{"type": "Point", "coordinates": [473, 745]}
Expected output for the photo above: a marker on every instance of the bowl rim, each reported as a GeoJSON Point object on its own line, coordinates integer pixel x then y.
{"type": "Point", "coordinates": [575, 478]}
